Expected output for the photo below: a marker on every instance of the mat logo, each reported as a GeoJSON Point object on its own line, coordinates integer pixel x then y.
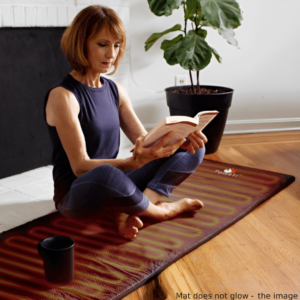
{"type": "Point", "coordinates": [229, 172]}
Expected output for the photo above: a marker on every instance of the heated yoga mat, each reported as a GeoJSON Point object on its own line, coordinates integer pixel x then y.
{"type": "Point", "coordinates": [108, 267]}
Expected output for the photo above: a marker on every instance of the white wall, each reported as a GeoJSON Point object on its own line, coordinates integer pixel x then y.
{"type": "Point", "coordinates": [264, 72]}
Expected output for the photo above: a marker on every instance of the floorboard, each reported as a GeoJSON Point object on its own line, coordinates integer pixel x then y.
{"type": "Point", "coordinates": [258, 254]}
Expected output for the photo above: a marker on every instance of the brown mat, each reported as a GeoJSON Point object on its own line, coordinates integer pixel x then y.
{"type": "Point", "coordinates": [108, 267]}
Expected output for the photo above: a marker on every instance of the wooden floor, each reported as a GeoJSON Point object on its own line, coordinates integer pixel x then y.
{"type": "Point", "coordinates": [258, 254]}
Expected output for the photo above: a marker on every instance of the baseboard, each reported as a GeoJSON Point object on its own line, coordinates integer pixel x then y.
{"type": "Point", "coordinates": [261, 125]}
{"type": "Point", "coordinates": [255, 125]}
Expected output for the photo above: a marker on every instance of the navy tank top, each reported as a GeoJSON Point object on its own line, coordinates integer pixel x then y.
{"type": "Point", "coordinates": [100, 123]}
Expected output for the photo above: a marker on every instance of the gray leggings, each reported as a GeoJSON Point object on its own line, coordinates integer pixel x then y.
{"type": "Point", "coordinates": [106, 186]}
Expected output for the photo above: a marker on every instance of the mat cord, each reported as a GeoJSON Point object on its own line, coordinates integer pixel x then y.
{"type": "Point", "coordinates": [158, 292]}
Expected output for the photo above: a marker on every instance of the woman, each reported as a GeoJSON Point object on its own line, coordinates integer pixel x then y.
{"type": "Point", "coordinates": [84, 112]}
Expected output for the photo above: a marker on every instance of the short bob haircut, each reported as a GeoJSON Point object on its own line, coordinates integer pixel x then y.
{"type": "Point", "coordinates": [86, 24]}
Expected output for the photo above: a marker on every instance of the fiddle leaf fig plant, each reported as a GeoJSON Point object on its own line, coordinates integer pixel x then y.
{"type": "Point", "coordinates": [189, 49]}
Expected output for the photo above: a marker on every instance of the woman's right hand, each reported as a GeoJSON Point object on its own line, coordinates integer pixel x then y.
{"type": "Point", "coordinates": [142, 155]}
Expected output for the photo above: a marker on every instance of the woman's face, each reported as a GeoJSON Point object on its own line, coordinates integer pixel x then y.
{"type": "Point", "coordinates": [102, 51]}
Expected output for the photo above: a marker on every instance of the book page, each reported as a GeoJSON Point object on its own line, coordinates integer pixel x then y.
{"type": "Point", "coordinates": [204, 120]}
{"type": "Point", "coordinates": [182, 130]}
{"type": "Point", "coordinates": [206, 112]}
{"type": "Point", "coordinates": [176, 119]}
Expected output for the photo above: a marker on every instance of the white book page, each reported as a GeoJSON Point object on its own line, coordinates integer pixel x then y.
{"type": "Point", "coordinates": [182, 130]}
{"type": "Point", "coordinates": [199, 114]}
{"type": "Point", "coordinates": [204, 120]}
{"type": "Point", "coordinates": [176, 119]}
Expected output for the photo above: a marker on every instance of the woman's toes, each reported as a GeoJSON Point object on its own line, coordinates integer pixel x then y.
{"type": "Point", "coordinates": [200, 203]}
{"type": "Point", "coordinates": [129, 233]}
{"type": "Point", "coordinates": [133, 234]}
{"type": "Point", "coordinates": [137, 222]}
{"type": "Point", "coordinates": [191, 204]}
{"type": "Point", "coordinates": [196, 204]}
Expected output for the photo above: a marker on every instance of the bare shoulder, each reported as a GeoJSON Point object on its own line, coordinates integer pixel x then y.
{"type": "Point", "coordinates": [61, 103]}
{"type": "Point", "coordinates": [123, 95]}
{"type": "Point", "coordinates": [121, 88]}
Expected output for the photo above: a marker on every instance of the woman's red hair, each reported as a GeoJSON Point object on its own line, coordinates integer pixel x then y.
{"type": "Point", "coordinates": [86, 24]}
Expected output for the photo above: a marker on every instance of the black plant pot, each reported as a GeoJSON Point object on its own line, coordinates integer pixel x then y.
{"type": "Point", "coordinates": [191, 104]}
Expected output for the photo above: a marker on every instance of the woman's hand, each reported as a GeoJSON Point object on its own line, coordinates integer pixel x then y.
{"type": "Point", "coordinates": [142, 155]}
{"type": "Point", "coordinates": [197, 141]}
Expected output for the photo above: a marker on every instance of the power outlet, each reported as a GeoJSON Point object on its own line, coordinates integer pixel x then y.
{"type": "Point", "coordinates": [181, 80]}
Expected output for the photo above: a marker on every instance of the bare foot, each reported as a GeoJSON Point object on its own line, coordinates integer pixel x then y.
{"type": "Point", "coordinates": [175, 208]}
{"type": "Point", "coordinates": [128, 225]}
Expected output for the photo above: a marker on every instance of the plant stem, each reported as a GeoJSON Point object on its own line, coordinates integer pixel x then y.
{"type": "Point", "coordinates": [198, 85]}
{"type": "Point", "coordinates": [196, 20]}
{"type": "Point", "coordinates": [185, 23]}
{"type": "Point", "coordinates": [190, 72]}
{"type": "Point", "coordinates": [185, 20]}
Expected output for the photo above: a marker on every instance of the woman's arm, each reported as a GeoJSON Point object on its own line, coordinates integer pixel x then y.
{"type": "Point", "coordinates": [129, 121]}
{"type": "Point", "coordinates": [62, 112]}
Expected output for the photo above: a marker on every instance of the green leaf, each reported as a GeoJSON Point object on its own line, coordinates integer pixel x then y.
{"type": "Point", "coordinates": [193, 53]}
{"type": "Point", "coordinates": [170, 47]}
{"type": "Point", "coordinates": [199, 18]}
{"type": "Point", "coordinates": [228, 35]}
{"type": "Point", "coordinates": [222, 14]}
{"type": "Point", "coordinates": [164, 7]}
{"type": "Point", "coordinates": [202, 32]}
{"type": "Point", "coordinates": [167, 43]}
{"type": "Point", "coordinates": [190, 11]}
{"type": "Point", "coordinates": [204, 22]}
{"type": "Point", "coordinates": [216, 54]}
{"type": "Point", "coordinates": [155, 36]}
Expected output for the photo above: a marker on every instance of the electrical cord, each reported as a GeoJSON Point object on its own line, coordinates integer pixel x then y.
{"type": "Point", "coordinates": [130, 64]}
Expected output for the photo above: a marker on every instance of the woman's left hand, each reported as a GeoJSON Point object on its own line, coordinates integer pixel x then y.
{"type": "Point", "coordinates": [197, 141]}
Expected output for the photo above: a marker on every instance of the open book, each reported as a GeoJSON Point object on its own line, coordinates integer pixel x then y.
{"type": "Point", "coordinates": [182, 125]}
